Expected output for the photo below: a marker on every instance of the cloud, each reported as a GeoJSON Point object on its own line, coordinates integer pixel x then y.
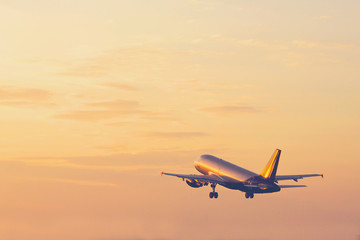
{"type": "Point", "coordinates": [115, 105]}
{"type": "Point", "coordinates": [103, 110]}
{"type": "Point", "coordinates": [165, 158]}
{"type": "Point", "coordinates": [23, 93]}
{"type": "Point", "coordinates": [25, 103]}
{"type": "Point", "coordinates": [112, 109]}
{"type": "Point", "coordinates": [309, 44]}
{"type": "Point", "coordinates": [159, 116]}
{"type": "Point", "coordinates": [13, 96]}
{"type": "Point", "coordinates": [88, 70]}
{"type": "Point", "coordinates": [97, 115]}
{"type": "Point", "coordinates": [94, 115]}
{"type": "Point", "coordinates": [177, 134]}
{"type": "Point", "coordinates": [117, 124]}
{"type": "Point", "coordinates": [253, 43]}
{"type": "Point", "coordinates": [285, 46]}
{"type": "Point", "coordinates": [232, 109]}
{"type": "Point", "coordinates": [207, 5]}
{"type": "Point", "coordinates": [116, 163]}
{"type": "Point", "coordinates": [79, 169]}
{"type": "Point", "coordinates": [121, 86]}
{"type": "Point", "coordinates": [304, 44]}
{"type": "Point", "coordinates": [128, 58]}
{"type": "Point", "coordinates": [257, 43]}
{"type": "Point", "coordinates": [74, 181]}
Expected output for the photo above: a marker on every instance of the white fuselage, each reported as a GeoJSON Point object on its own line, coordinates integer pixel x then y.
{"type": "Point", "coordinates": [208, 165]}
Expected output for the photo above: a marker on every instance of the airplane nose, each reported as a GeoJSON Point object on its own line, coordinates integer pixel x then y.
{"type": "Point", "coordinates": [196, 163]}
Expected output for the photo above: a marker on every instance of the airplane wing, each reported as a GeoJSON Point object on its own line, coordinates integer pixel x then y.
{"type": "Point", "coordinates": [203, 178]}
{"type": "Point", "coordinates": [291, 186]}
{"type": "Point", "coordinates": [296, 177]}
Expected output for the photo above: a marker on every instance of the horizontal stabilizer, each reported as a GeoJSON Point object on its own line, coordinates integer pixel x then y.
{"type": "Point", "coordinates": [296, 177]}
{"type": "Point", "coordinates": [291, 186]}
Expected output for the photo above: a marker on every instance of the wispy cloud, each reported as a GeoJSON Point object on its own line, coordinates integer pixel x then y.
{"type": "Point", "coordinates": [103, 110]}
{"type": "Point", "coordinates": [23, 93]}
{"type": "Point", "coordinates": [86, 70]}
{"type": "Point", "coordinates": [120, 86]}
{"type": "Point", "coordinates": [118, 104]}
{"type": "Point", "coordinates": [86, 163]}
{"type": "Point", "coordinates": [74, 181]}
{"type": "Point", "coordinates": [128, 58]}
{"type": "Point", "coordinates": [177, 134]}
{"type": "Point", "coordinates": [211, 5]}
{"type": "Point", "coordinates": [94, 115]}
{"type": "Point", "coordinates": [25, 103]}
{"type": "Point", "coordinates": [253, 43]}
{"type": "Point", "coordinates": [117, 124]}
{"type": "Point", "coordinates": [232, 109]}
{"type": "Point", "coordinates": [99, 110]}
{"type": "Point", "coordinates": [13, 96]}
{"type": "Point", "coordinates": [166, 116]}
{"type": "Point", "coordinates": [258, 43]}
{"type": "Point", "coordinates": [304, 44]}
{"type": "Point", "coordinates": [204, 5]}
{"type": "Point", "coordinates": [310, 44]}
{"type": "Point", "coordinates": [286, 46]}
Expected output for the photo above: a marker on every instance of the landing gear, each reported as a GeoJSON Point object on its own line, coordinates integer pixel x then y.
{"type": "Point", "coordinates": [213, 194]}
{"type": "Point", "coordinates": [249, 195]}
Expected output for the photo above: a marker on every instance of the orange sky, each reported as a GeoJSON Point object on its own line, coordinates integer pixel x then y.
{"type": "Point", "coordinates": [98, 97]}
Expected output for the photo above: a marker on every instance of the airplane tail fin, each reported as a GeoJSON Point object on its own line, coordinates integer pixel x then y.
{"type": "Point", "coordinates": [269, 171]}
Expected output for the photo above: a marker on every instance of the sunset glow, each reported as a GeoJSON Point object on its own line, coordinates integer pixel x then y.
{"type": "Point", "coordinates": [98, 97]}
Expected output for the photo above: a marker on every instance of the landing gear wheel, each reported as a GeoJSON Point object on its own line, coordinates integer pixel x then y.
{"type": "Point", "coordinates": [249, 195]}
{"type": "Point", "coordinates": [211, 194]}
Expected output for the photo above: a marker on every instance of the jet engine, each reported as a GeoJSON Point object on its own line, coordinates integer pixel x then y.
{"type": "Point", "coordinates": [194, 183]}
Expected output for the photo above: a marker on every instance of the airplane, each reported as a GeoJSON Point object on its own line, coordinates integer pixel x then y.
{"type": "Point", "coordinates": [218, 171]}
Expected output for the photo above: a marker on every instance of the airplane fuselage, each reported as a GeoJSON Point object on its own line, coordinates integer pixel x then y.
{"type": "Point", "coordinates": [234, 176]}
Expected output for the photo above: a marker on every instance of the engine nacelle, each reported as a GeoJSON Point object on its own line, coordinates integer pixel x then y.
{"type": "Point", "coordinates": [194, 183]}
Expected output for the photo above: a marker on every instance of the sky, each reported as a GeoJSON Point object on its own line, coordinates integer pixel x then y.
{"type": "Point", "coordinates": [98, 97]}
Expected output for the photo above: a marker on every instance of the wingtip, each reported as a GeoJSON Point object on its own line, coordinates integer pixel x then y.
{"type": "Point", "coordinates": [322, 175]}
{"type": "Point", "coordinates": [161, 173]}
